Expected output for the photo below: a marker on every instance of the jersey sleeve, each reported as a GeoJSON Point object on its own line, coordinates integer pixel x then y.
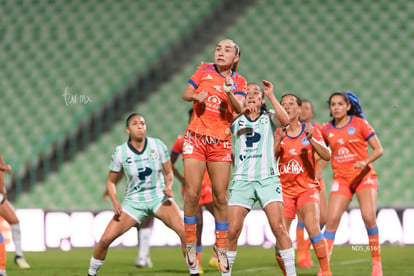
{"type": "Point", "coordinates": [116, 160]}
{"type": "Point", "coordinates": [164, 155]}
{"type": "Point", "coordinates": [241, 86]}
{"type": "Point", "coordinates": [196, 78]}
{"type": "Point", "coordinates": [177, 147]}
{"type": "Point", "coordinates": [318, 135]}
{"type": "Point", "coordinates": [367, 130]}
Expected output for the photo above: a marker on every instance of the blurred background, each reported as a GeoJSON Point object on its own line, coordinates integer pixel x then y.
{"type": "Point", "coordinates": [73, 70]}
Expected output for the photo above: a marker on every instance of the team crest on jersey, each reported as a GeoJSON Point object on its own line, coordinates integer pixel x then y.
{"type": "Point", "coordinates": [264, 120]}
{"type": "Point", "coordinates": [305, 141]}
{"type": "Point", "coordinates": [351, 131]}
{"type": "Point", "coordinates": [154, 155]}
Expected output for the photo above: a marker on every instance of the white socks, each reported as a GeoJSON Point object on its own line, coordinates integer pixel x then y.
{"type": "Point", "coordinates": [231, 256]}
{"type": "Point", "coordinates": [288, 257]}
{"type": "Point", "coordinates": [144, 237]}
{"type": "Point", "coordinates": [17, 238]}
{"type": "Point", "coordinates": [94, 266]}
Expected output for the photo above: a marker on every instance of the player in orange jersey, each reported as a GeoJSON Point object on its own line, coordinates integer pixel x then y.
{"type": "Point", "coordinates": [304, 259]}
{"type": "Point", "coordinates": [349, 135]}
{"type": "Point", "coordinates": [206, 198]}
{"type": "Point", "coordinates": [217, 92]}
{"type": "Point", "coordinates": [296, 147]}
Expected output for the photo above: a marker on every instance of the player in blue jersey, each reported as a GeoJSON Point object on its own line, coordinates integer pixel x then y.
{"type": "Point", "coordinates": [255, 171]}
{"type": "Point", "coordinates": [146, 165]}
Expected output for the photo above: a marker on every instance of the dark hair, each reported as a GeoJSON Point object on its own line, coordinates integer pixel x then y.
{"type": "Point", "coordinates": [298, 100]}
{"type": "Point", "coordinates": [238, 53]}
{"type": "Point", "coordinates": [130, 116]}
{"type": "Point", "coordinates": [310, 103]}
{"type": "Point", "coordinates": [351, 99]}
{"type": "Point", "coordinates": [263, 107]}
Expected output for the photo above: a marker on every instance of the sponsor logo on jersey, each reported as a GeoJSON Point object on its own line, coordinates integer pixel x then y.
{"type": "Point", "coordinates": [214, 100]}
{"type": "Point", "coordinates": [292, 167]}
{"type": "Point", "coordinates": [292, 151]}
{"type": "Point", "coordinates": [341, 141]}
{"type": "Point", "coordinates": [351, 130]}
{"type": "Point", "coordinates": [331, 135]}
{"type": "Point", "coordinates": [335, 187]}
{"type": "Point", "coordinates": [208, 77]}
{"type": "Point", "coordinates": [305, 141]}
{"type": "Point", "coordinates": [218, 88]}
{"type": "Point", "coordinates": [343, 155]}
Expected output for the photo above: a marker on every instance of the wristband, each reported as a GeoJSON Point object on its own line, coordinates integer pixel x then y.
{"type": "Point", "coordinates": [227, 88]}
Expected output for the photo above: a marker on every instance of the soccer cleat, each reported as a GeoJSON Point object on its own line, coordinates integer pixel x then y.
{"type": "Point", "coordinates": [143, 263]}
{"type": "Point", "coordinates": [376, 269]}
{"type": "Point", "coordinates": [304, 260]}
{"type": "Point", "coordinates": [213, 262]}
{"type": "Point", "coordinates": [223, 262]}
{"type": "Point", "coordinates": [3, 273]}
{"type": "Point", "coordinates": [191, 254]}
{"type": "Point", "coordinates": [21, 262]}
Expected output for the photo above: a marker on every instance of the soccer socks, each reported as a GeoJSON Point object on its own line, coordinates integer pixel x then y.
{"type": "Point", "coordinates": [320, 247]}
{"type": "Point", "coordinates": [231, 256]}
{"type": "Point", "coordinates": [221, 233]}
{"type": "Point", "coordinates": [94, 266]}
{"type": "Point", "coordinates": [330, 238]}
{"type": "Point", "coordinates": [288, 257]}
{"type": "Point", "coordinates": [190, 227]}
{"type": "Point", "coordinates": [374, 244]}
{"type": "Point", "coordinates": [2, 253]}
{"type": "Point", "coordinates": [144, 237]}
{"type": "Point", "coordinates": [17, 238]}
{"type": "Point", "coordinates": [304, 259]}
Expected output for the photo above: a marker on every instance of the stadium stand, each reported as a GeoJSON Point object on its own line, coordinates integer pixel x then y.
{"type": "Point", "coordinates": [309, 48]}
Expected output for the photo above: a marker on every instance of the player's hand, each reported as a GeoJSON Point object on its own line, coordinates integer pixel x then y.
{"type": "Point", "coordinates": [117, 210]}
{"type": "Point", "coordinates": [168, 192]}
{"type": "Point", "coordinates": [200, 97]}
{"type": "Point", "coordinates": [309, 131]}
{"type": "Point", "coordinates": [283, 132]}
{"type": "Point", "coordinates": [268, 90]}
{"type": "Point", "coordinates": [249, 109]}
{"type": "Point", "coordinates": [105, 196]}
{"type": "Point", "coordinates": [359, 165]}
{"type": "Point", "coordinates": [228, 81]}
{"type": "Point", "coordinates": [6, 169]}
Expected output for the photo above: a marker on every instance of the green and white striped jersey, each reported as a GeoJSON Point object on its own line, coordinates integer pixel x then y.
{"type": "Point", "coordinates": [253, 151]}
{"type": "Point", "coordinates": [143, 170]}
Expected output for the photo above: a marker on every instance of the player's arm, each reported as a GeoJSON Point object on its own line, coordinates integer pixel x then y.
{"type": "Point", "coordinates": [3, 191]}
{"type": "Point", "coordinates": [169, 178]}
{"type": "Point", "coordinates": [320, 148]}
{"type": "Point", "coordinates": [236, 101]}
{"type": "Point", "coordinates": [279, 137]}
{"type": "Point", "coordinates": [173, 157]}
{"type": "Point", "coordinates": [112, 180]}
{"type": "Point", "coordinates": [376, 153]}
{"type": "Point", "coordinates": [190, 95]}
{"type": "Point", "coordinates": [281, 118]}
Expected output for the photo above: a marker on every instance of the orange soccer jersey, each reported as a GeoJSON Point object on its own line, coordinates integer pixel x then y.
{"type": "Point", "coordinates": [213, 117]}
{"type": "Point", "coordinates": [296, 163]}
{"type": "Point", "coordinates": [349, 144]}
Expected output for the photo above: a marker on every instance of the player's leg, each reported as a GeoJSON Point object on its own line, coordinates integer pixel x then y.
{"type": "Point", "coordinates": [213, 262]}
{"type": "Point", "coordinates": [309, 211]}
{"type": "Point", "coordinates": [199, 231]}
{"type": "Point", "coordinates": [304, 259]}
{"type": "Point", "coordinates": [115, 228]}
{"type": "Point", "coordinates": [219, 173]}
{"type": "Point", "coordinates": [169, 213]}
{"type": "Point", "coordinates": [193, 171]}
{"type": "Point", "coordinates": [144, 238]}
{"type": "Point", "coordinates": [2, 255]}
{"type": "Point", "coordinates": [274, 213]}
{"type": "Point", "coordinates": [367, 199]}
{"type": "Point", "coordinates": [8, 213]}
{"type": "Point", "coordinates": [237, 214]}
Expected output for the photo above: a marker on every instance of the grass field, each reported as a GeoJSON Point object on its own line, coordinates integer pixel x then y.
{"type": "Point", "coordinates": [169, 261]}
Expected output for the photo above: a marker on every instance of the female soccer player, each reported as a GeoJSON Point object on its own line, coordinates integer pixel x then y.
{"type": "Point", "coordinates": [206, 198]}
{"type": "Point", "coordinates": [217, 91]}
{"type": "Point", "coordinates": [303, 258]}
{"type": "Point", "coordinates": [296, 147]}
{"type": "Point", "coordinates": [145, 162]}
{"type": "Point", "coordinates": [255, 174]}
{"type": "Point", "coordinates": [349, 135]}
{"type": "Point", "coordinates": [8, 213]}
